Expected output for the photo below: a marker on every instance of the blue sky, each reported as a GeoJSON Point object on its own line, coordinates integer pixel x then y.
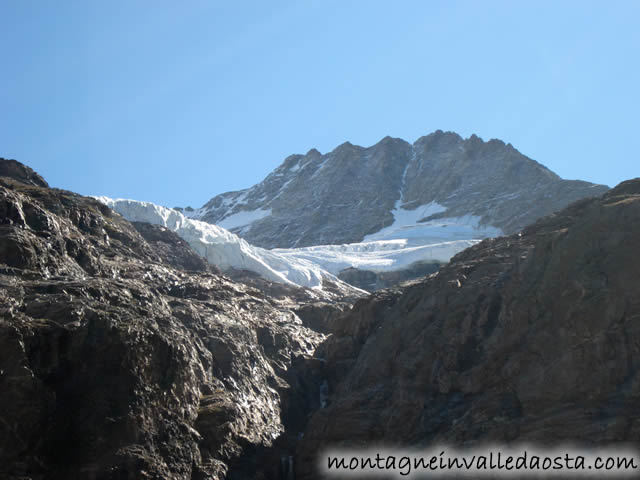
{"type": "Point", "coordinates": [173, 102]}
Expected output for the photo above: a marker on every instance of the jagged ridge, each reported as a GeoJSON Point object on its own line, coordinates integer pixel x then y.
{"type": "Point", "coordinates": [351, 192]}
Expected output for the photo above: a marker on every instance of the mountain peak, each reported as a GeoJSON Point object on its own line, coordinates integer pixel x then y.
{"type": "Point", "coordinates": [439, 137]}
{"type": "Point", "coordinates": [496, 142]}
{"type": "Point", "coordinates": [390, 141]}
{"type": "Point", "coordinates": [353, 192]}
{"type": "Point", "coordinates": [345, 145]}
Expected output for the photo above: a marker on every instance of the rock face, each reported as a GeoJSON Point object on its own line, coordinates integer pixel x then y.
{"type": "Point", "coordinates": [371, 281]}
{"type": "Point", "coordinates": [351, 192]}
{"type": "Point", "coordinates": [532, 337]}
{"type": "Point", "coordinates": [124, 355]}
{"type": "Point", "coordinates": [172, 249]}
{"type": "Point", "coordinates": [22, 173]}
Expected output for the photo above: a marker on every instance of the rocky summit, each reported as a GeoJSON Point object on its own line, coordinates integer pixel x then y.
{"type": "Point", "coordinates": [354, 192]}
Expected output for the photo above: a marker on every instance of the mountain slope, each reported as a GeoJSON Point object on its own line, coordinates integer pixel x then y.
{"type": "Point", "coordinates": [533, 337]}
{"type": "Point", "coordinates": [127, 358]}
{"type": "Point", "coordinates": [477, 189]}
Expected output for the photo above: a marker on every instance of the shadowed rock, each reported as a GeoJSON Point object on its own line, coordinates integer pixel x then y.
{"type": "Point", "coordinates": [531, 337]}
{"type": "Point", "coordinates": [22, 173]}
{"type": "Point", "coordinates": [123, 355]}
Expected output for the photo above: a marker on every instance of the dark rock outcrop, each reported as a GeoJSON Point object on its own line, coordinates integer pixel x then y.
{"type": "Point", "coordinates": [346, 194]}
{"type": "Point", "coordinates": [322, 317]}
{"type": "Point", "coordinates": [172, 249]}
{"type": "Point", "coordinates": [22, 173]}
{"type": "Point", "coordinates": [122, 357]}
{"type": "Point", "coordinates": [372, 281]}
{"type": "Point", "coordinates": [531, 337]}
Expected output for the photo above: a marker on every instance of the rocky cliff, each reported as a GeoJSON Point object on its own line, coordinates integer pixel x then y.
{"type": "Point", "coordinates": [124, 355]}
{"type": "Point", "coordinates": [530, 337]}
{"type": "Point", "coordinates": [354, 192]}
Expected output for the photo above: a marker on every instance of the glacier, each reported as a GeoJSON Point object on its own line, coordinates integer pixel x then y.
{"type": "Point", "coordinates": [396, 247]}
{"type": "Point", "coordinates": [221, 247]}
{"type": "Point", "coordinates": [376, 256]}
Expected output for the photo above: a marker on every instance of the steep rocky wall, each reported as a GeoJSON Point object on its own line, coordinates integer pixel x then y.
{"type": "Point", "coordinates": [532, 337]}
{"type": "Point", "coordinates": [122, 358]}
{"type": "Point", "coordinates": [371, 281]}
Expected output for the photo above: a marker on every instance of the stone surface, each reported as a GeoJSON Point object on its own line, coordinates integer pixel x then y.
{"type": "Point", "coordinates": [124, 355]}
{"type": "Point", "coordinates": [371, 281]}
{"type": "Point", "coordinates": [22, 173]}
{"type": "Point", "coordinates": [530, 337]}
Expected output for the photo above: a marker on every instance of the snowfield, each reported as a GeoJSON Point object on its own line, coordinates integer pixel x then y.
{"type": "Point", "coordinates": [396, 247]}
{"type": "Point", "coordinates": [407, 225]}
{"type": "Point", "coordinates": [377, 256]}
{"type": "Point", "coordinates": [243, 218]}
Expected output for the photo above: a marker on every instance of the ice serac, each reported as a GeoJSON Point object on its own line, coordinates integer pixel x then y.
{"type": "Point", "coordinates": [440, 188]}
{"type": "Point", "coordinates": [225, 249]}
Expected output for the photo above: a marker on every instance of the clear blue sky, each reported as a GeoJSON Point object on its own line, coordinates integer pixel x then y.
{"type": "Point", "coordinates": [174, 102]}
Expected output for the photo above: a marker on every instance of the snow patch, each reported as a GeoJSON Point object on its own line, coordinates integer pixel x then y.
{"type": "Point", "coordinates": [196, 213]}
{"type": "Point", "coordinates": [407, 225]}
{"type": "Point", "coordinates": [321, 166]}
{"type": "Point", "coordinates": [295, 167]}
{"type": "Point", "coordinates": [243, 218]}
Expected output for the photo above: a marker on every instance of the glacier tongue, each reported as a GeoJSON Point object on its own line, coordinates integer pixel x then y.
{"type": "Point", "coordinates": [223, 248]}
